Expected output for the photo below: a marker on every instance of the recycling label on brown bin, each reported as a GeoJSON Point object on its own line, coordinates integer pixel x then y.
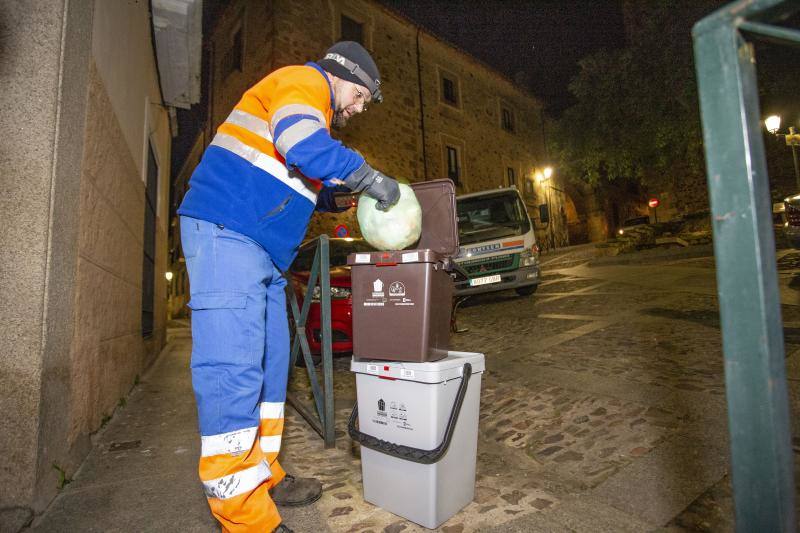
{"type": "Point", "coordinates": [397, 294]}
{"type": "Point", "coordinates": [377, 297]}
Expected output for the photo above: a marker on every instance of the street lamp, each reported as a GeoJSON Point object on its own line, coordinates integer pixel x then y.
{"type": "Point", "coordinates": [773, 124]}
{"type": "Point", "coordinates": [542, 177]}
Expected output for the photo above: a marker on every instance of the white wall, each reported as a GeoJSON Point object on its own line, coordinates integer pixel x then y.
{"type": "Point", "coordinates": [122, 51]}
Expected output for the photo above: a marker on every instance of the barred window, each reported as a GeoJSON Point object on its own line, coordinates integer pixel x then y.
{"type": "Point", "coordinates": [512, 177]}
{"type": "Point", "coordinates": [453, 166]}
{"type": "Point", "coordinates": [234, 56]}
{"type": "Point", "coordinates": [507, 120]}
{"type": "Point", "coordinates": [352, 30]}
{"type": "Point", "coordinates": [449, 90]}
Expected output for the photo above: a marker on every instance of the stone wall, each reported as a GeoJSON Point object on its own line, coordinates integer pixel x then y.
{"type": "Point", "coordinates": [72, 245]}
{"type": "Point", "coordinates": [42, 109]}
{"type": "Point", "coordinates": [124, 120]}
{"type": "Point", "coordinates": [254, 18]}
{"type": "Point", "coordinates": [389, 135]}
{"type": "Point", "coordinates": [108, 350]}
{"type": "Point", "coordinates": [688, 195]}
{"type": "Point", "coordinates": [554, 194]}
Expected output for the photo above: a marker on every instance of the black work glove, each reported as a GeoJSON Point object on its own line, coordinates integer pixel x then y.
{"type": "Point", "coordinates": [375, 184]}
{"type": "Point", "coordinates": [326, 199]}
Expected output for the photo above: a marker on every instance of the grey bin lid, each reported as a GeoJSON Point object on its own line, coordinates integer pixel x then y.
{"type": "Point", "coordinates": [439, 223]}
{"type": "Point", "coordinates": [451, 367]}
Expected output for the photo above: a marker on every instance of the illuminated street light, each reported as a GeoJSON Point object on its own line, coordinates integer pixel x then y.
{"type": "Point", "coordinates": [543, 176]}
{"type": "Point", "coordinates": [168, 275]}
{"type": "Point", "coordinates": [773, 124]}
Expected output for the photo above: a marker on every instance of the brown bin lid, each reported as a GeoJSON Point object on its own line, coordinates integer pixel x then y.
{"type": "Point", "coordinates": [439, 227]}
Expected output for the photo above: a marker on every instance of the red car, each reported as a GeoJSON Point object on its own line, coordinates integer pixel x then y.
{"type": "Point", "coordinates": [341, 298]}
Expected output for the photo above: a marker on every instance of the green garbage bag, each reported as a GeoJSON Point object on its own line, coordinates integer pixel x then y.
{"type": "Point", "coordinates": [397, 228]}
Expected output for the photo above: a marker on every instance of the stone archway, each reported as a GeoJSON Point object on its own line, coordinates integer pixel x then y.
{"type": "Point", "coordinates": [576, 213]}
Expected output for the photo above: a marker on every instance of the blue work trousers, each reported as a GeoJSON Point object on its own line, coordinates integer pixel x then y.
{"type": "Point", "coordinates": [240, 365]}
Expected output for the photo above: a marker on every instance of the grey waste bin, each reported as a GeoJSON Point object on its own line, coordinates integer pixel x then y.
{"type": "Point", "coordinates": [418, 429]}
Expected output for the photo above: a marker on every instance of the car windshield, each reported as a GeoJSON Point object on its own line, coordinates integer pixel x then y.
{"type": "Point", "coordinates": [491, 217]}
{"type": "Point", "coordinates": [339, 250]}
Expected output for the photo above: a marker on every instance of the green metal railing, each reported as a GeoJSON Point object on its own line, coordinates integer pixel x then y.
{"type": "Point", "coordinates": [752, 334]}
{"type": "Point", "coordinates": [323, 422]}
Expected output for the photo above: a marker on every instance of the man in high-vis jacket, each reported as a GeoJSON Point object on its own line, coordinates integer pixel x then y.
{"type": "Point", "coordinates": [271, 163]}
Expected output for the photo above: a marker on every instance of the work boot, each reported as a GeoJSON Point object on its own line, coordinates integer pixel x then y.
{"type": "Point", "coordinates": [296, 491]}
{"type": "Point", "coordinates": [282, 529]}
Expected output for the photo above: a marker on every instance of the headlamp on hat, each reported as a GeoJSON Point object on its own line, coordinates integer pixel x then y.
{"type": "Point", "coordinates": [351, 61]}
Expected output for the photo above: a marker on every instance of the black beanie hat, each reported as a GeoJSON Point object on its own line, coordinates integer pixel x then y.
{"type": "Point", "coordinates": [351, 61]}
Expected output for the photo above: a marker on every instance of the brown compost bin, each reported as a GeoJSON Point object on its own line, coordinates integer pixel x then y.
{"type": "Point", "coordinates": [402, 299]}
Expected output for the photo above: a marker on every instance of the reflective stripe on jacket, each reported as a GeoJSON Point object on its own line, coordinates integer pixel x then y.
{"type": "Point", "coordinates": [261, 173]}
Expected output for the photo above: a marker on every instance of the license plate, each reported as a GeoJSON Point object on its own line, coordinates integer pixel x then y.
{"type": "Point", "coordinates": [485, 280]}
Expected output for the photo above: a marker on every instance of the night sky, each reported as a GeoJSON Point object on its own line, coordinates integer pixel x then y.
{"type": "Point", "coordinates": [536, 42]}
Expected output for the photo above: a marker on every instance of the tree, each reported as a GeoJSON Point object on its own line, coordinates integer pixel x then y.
{"type": "Point", "coordinates": [636, 116]}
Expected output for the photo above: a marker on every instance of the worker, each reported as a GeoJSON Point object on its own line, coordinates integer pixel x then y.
{"type": "Point", "coordinates": [270, 164]}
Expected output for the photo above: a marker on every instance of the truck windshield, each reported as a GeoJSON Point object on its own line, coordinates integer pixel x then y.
{"type": "Point", "coordinates": [482, 218]}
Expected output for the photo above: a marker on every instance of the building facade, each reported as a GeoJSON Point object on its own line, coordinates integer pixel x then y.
{"type": "Point", "coordinates": [445, 114]}
{"type": "Point", "coordinates": [86, 182]}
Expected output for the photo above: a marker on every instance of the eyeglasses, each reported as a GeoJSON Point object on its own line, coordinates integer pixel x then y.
{"type": "Point", "coordinates": [360, 98]}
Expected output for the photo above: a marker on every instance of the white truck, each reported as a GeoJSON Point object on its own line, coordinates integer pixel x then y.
{"type": "Point", "coordinates": [498, 248]}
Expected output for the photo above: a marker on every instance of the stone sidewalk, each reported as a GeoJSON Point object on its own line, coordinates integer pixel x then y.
{"type": "Point", "coordinates": [142, 472]}
{"type": "Point", "coordinates": [602, 409]}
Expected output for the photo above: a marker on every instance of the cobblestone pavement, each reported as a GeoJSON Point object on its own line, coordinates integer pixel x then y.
{"type": "Point", "coordinates": [602, 409]}
{"type": "Point", "coordinates": [601, 396]}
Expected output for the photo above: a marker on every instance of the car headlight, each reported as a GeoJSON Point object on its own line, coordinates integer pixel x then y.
{"type": "Point", "coordinates": [527, 258]}
{"type": "Point", "coordinates": [337, 293]}
{"type": "Point", "coordinates": [340, 293]}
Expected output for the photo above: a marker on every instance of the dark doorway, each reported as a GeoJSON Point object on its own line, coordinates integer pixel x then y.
{"type": "Point", "coordinates": [149, 255]}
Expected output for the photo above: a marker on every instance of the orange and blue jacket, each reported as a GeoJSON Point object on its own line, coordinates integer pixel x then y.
{"type": "Point", "coordinates": [262, 173]}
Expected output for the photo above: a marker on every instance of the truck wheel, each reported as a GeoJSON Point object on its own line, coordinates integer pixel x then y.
{"type": "Point", "coordinates": [527, 291]}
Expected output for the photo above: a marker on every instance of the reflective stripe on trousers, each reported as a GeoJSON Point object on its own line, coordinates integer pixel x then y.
{"type": "Point", "coordinates": [240, 364]}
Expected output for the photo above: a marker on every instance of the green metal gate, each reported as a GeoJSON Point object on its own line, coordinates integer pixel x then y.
{"type": "Point", "coordinates": [752, 335]}
{"type": "Point", "coordinates": [324, 422]}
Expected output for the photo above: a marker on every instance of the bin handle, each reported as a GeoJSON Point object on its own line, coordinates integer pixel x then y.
{"type": "Point", "coordinates": [409, 453]}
